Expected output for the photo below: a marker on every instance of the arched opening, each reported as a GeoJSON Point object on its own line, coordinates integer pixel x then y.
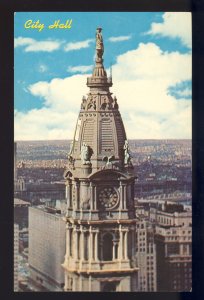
{"type": "Point", "coordinates": [109, 287]}
{"type": "Point", "coordinates": [108, 247]}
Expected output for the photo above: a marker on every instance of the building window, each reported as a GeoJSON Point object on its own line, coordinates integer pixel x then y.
{"type": "Point", "coordinates": [86, 246]}
{"type": "Point", "coordinates": [173, 248]}
{"type": "Point", "coordinates": [109, 286]}
{"type": "Point", "coordinates": [107, 247]}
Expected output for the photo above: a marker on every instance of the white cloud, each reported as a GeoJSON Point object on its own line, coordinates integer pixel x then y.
{"type": "Point", "coordinates": [141, 78]}
{"type": "Point", "coordinates": [32, 45]}
{"type": "Point", "coordinates": [174, 25]}
{"type": "Point", "coordinates": [20, 41]}
{"type": "Point", "coordinates": [119, 38]}
{"type": "Point", "coordinates": [81, 69]}
{"type": "Point", "coordinates": [184, 93]}
{"type": "Point", "coordinates": [44, 124]}
{"type": "Point", "coordinates": [57, 118]}
{"type": "Point", "coordinates": [78, 45]}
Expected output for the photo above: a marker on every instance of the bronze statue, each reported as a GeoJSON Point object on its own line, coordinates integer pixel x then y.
{"type": "Point", "coordinates": [99, 43]}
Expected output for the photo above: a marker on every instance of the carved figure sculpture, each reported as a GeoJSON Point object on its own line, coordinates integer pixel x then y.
{"type": "Point", "coordinates": [86, 153]}
{"type": "Point", "coordinates": [83, 103]}
{"type": "Point", "coordinates": [99, 43]}
{"type": "Point", "coordinates": [115, 103]}
{"type": "Point", "coordinates": [127, 156]}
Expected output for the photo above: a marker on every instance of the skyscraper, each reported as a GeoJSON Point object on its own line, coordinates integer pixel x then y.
{"type": "Point", "coordinates": [100, 220]}
{"type": "Point", "coordinates": [46, 247]}
{"type": "Point", "coordinates": [173, 239]}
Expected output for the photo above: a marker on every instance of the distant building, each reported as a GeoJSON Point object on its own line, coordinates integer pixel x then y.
{"type": "Point", "coordinates": [53, 191]}
{"type": "Point", "coordinates": [46, 247]}
{"type": "Point", "coordinates": [146, 257]}
{"type": "Point", "coordinates": [21, 213]}
{"type": "Point", "coordinates": [19, 183]}
{"type": "Point", "coordinates": [16, 253]}
{"type": "Point", "coordinates": [173, 239]}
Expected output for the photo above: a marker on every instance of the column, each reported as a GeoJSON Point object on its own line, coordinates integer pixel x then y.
{"type": "Point", "coordinates": [121, 196]}
{"type": "Point", "coordinates": [120, 250]}
{"type": "Point", "coordinates": [125, 244]}
{"type": "Point", "coordinates": [74, 284]}
{"type": "Point", "coordinates": [67, 243]}
{"type": "Point", "coordinates": [133, 242]}
{"type": "Point", "coordinates": [90, 244]}
{"type": "Point", "coordinates": [77, 195]}
{"type": "Point", "coordinates": [65, 282]}
{"type": "Point", "coordinates": [113, 250]}
{"type": "Point", "coordinates": [96, 246]}
{"type": "Point", "coordinates": [92, 196]}
{"type": "Point", "coordinates": [125, 196]}
{"type": "Point", "coordinates": [89, 283]}
{"type": "Point", "coordinates": [95, 197]}
{"type": "Point", "coordinates": [75, 244]}
{"type": "Point", "coordinates": [82, 244]}
{"type": "Point", "coordinates": [67, 194]}
{"type": "Point", "coordinates": [70, 194]}
{"type": "Point", "coordinates": [80, 283]}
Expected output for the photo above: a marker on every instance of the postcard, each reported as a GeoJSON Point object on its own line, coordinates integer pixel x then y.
{"type": "Point", "coordinates": [102, 152]}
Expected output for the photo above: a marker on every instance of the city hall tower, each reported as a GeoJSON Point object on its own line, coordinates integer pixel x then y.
{"type": "Point", "coordinates": [100, 219]}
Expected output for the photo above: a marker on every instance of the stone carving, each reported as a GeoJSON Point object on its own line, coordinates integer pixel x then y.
{"type": "Point", "coordinates": [99, 44]}
{"type": "Point", "coordinates": [91, 104]}
{"type": "Point", "coordinates": [71, 160]}
{"type": "Point", "coordinates": [83, 104]}
{"type": "Point", "coordinates": [86, 153]}
{"type": "Point", "coordinates": [109, 161]}
{"type": "Point", "coordinates": [115, 103]}
{"type": "Point", "coordinates": [127, 156]}
{"type": "Point", "coordinates": [67, 174]}
{"type": "Point", "coordinates": [104, 105]}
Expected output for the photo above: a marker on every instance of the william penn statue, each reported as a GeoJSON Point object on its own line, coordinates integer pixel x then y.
{"type": "Point", "coordinates": [99, 43]}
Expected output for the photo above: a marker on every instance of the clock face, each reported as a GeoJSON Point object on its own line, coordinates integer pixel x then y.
{"type": "Point", "coordinates": [108, 198]}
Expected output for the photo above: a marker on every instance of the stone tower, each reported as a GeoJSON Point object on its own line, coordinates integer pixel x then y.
{"type": "Point", "coordinates": [100, 220]}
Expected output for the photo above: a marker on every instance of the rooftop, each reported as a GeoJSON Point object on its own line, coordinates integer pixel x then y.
{"type": "Point", "coordinates": [19, 202]}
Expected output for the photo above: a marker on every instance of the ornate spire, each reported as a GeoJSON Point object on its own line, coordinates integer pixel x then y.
{"type": "Point", "coordinates": [99, 76]}
{"type": "Point", "coordinates": [100, 134]}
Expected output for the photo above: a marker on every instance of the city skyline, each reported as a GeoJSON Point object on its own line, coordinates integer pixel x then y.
{"type": "Point", "coordinates": [150, 59]}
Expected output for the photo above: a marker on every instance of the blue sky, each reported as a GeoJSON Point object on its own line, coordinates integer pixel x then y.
{"type": "Point", "coordinates": [151, 58]}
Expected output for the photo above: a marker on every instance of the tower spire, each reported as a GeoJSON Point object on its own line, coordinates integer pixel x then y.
{"type": "Point", "coordinates": [99, 71]}
{"type": "Point", "coordinates": [100, 243]}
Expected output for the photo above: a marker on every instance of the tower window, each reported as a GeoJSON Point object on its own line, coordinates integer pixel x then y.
{"type": "Point", "coordinates": [109, 286]}
{"type": "Point", "coordinates": [107, 247]}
